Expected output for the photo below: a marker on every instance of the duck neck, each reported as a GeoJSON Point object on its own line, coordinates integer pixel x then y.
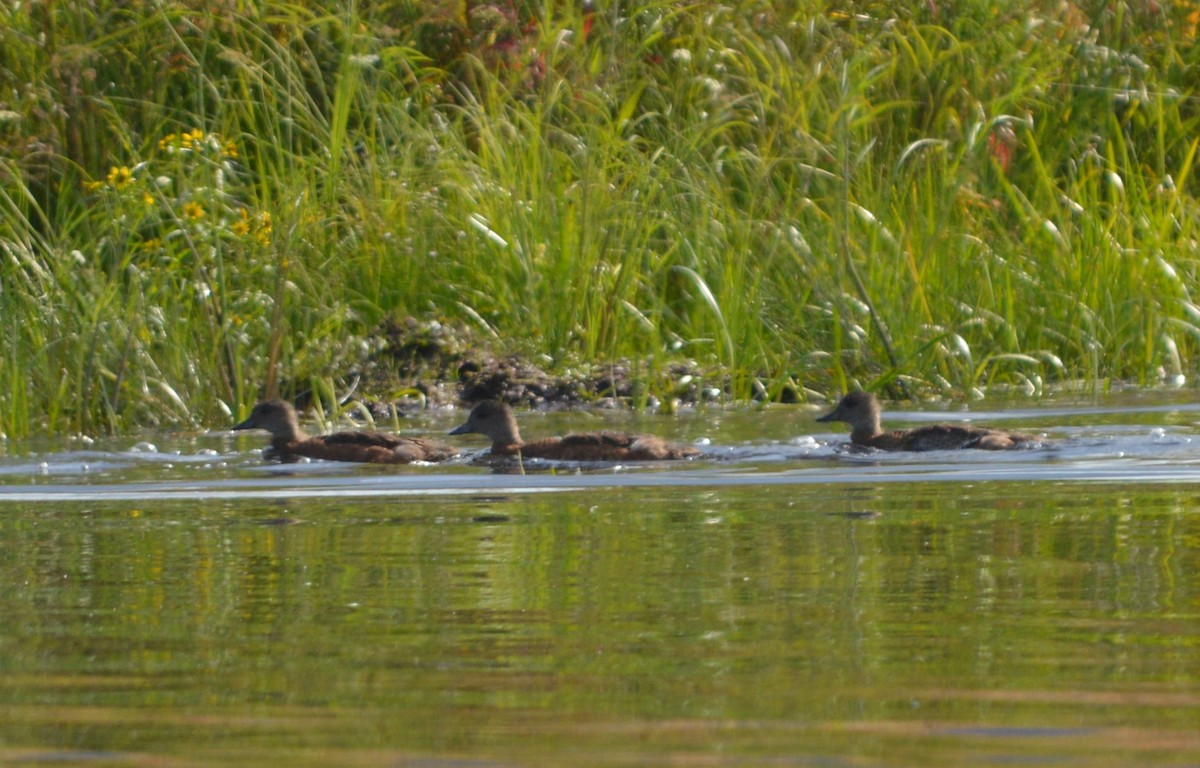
{"type": "Point", "coordinates": [863, 435]}
{"type": "Point", "coordinates": [506, 439]}
{"type": "Point", "coordinates": [291, 433]}
{"type": "Point", "coordinates": [507, 446]}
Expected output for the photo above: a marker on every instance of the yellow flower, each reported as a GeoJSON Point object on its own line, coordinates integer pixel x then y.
{"type": "Point", "coordinates": [241, 227]}
{"type": "Point", "coordinates": [193, 211]}
{"type": "Point", "coordinates": [120, 176]}
{"type": "Point", "coordinates": [147, 199]}
{"type": "Point", "coordinates": [168, 141]}
{"type": "Point", "coordinates": [263, 228]}
{"type": "Point", "coordinates": [229, 149]}
{"type": "Point", "coordinates": [92, 186]}
{"type": "Point", "coordinates": [194, 139]}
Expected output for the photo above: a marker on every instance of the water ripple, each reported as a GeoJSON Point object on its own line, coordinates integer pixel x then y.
{"type": "Point", "coordinates": [306, 485]}
{"type": "Point", "coordinates": [204, 467]}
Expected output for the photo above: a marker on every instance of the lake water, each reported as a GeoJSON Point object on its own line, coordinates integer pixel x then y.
{"type": "Point", "coordinates": [172, 600]}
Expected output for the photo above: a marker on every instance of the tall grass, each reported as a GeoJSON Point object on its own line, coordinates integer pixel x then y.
{"type": "Point", "coordinates": [200, 202]}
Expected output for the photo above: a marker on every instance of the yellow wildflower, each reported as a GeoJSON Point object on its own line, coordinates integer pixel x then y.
{"type": "Point", "coordinates": [92, 186]}
{"type": "Point", "coordinates": [168, 141]}
{"type": "Point", "coordinates": [229, 149]}
{"type": "Point", "coordinates": [120, 176]}
{"type": "Point", "coordinates": [263, 229]}
{"type": "Point", "coordinates": [241, 227]}
{"type": "Point", "coordinates": [193, 211]}
{"type": "Point", "coordinates": [194, 139]}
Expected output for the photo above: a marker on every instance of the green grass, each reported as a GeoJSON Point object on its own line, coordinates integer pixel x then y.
{"type": "Point", "coordinates": [950, 198]}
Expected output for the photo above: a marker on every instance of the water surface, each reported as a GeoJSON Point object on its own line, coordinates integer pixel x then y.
{"type": "Point", "coordinates": [172, 600]}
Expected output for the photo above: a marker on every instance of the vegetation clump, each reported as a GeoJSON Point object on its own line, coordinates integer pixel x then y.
{"type": "Point", "coordinates": [420, 362]}
{"type": "Point", "coordinates": [205, 203]}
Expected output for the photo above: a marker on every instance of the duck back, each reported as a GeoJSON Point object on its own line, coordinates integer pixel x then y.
{"type": "Point", "coordinates": [366, 447]}
{"type": "Point", "coordinates": [947, 437]}
{"type": "Point", "coordinates": [599, 446]}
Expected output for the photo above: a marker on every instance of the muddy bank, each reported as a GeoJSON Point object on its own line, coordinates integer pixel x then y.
{"type": "Point", "coordinates": [422, 363]}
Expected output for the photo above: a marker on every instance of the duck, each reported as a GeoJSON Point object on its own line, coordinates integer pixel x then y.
{"type": "Point", "coordinates": [861, 411]}
{"type": "Point", "coordinates": [289, 442]}
{"type": "Point", "coordinates": [495, 420]}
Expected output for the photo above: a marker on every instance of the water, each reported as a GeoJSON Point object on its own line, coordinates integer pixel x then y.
{"type": "Point", "coordinates": [783, 603]}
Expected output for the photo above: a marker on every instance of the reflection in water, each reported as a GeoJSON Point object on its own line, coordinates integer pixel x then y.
{"type": "Point", "coordinates": [915, 624]}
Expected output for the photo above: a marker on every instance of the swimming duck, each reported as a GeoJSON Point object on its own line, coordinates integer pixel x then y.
{"type": "Point", "coordinates": [289, 441]}
{"type": "Point", "coordinates": [495, 420]}
{"type": "Point", "coordinates": [861, 411]}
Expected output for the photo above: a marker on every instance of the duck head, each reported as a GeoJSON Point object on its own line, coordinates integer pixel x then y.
{"type": "Point", "coordinates": [858, 409]}
{"type": "Point", "coordinates": [493, 419]}
{"type": "Point", "coordinates": [275, 416]}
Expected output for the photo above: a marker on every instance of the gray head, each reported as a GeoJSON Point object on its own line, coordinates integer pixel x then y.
{"type": "Point", "coordinates": [493, 419]}
{"type": "Point", "coordinates": [858, 409]}
{"type": "Point", "coordinates": [275, 416]}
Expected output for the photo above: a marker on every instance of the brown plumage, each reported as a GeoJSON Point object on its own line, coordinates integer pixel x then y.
{"type": "Point", "coordinates": [289, 441]}
{"type": "Point", "coordinates": [861, 411]}
{"type": "Point", "coordinates": [496, 421]}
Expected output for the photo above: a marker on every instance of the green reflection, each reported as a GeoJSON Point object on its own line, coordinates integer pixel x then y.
{"type": "Point", "coordinates": [918, 624]}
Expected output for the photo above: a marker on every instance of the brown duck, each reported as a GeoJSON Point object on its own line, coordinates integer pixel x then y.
{"type": "Point", "coordinates": [861, 411]}
{"type": "Point", "coordinates": [496, 421]}
{"type": "Point", "coordinates": [289, 441]}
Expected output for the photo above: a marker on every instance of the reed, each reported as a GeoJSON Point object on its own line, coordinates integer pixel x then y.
{"type": "Point", "coordinates": [203, 202]}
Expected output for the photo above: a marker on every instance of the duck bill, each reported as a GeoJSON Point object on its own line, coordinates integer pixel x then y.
{"type": "Point", "coordinates": [831, 416]}
{"type": "Point", "coordinates": [247, 424]}
{"type": "Point", "coordinates": [461, 429]}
